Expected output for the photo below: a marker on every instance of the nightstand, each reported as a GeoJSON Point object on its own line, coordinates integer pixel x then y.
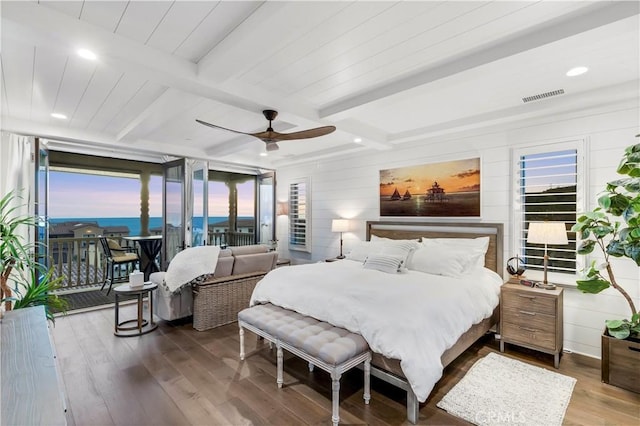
{"type": "Point", "coordinates": [532, 318]}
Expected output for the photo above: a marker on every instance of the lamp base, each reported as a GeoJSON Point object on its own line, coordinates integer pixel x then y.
{"type": "Point", "coordinates": [340, 256]}
{"type": "Point", "coordinates": [547, 286]}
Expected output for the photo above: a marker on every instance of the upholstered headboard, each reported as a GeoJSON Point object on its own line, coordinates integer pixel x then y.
{"type": "Point", "coordinates": [410, 230]}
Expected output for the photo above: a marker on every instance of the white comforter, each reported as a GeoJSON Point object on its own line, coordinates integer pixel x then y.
{"type": "Point", "coordinates": [412, 316]}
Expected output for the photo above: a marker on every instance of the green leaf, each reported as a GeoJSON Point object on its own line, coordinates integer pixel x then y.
{"type": "Point", "coordinates": [615, 248]}
{"type": "Point", "coordinates": [593, 286]}
{"type": "Point", "coordinates": [602, 231]}
{"type": "Point", "coordinates": [632, 251]}
{"type": "Point", "coordinates": [619, 333]}
{"type": "Point", "coordinates": [586, 246]}
{"type": "Point", "coordinates": [613, 324]}
{"type": "Point", "coordinates": [604, 201]}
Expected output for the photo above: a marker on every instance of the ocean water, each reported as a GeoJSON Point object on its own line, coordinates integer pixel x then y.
{"type": "Point", "coordinates": [133, 223]}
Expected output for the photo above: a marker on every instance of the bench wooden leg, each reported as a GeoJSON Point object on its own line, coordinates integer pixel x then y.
{"type": "Point", "coordinates": [335, 397]}
{"type": "Point", "coordinates": [367, 381]}
{"type": "Point", "coordinates": [241, 343]}
{"type": "Point", "coordinates": [280, 366]}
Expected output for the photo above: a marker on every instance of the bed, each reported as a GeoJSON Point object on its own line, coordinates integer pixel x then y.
{"type": "Point", "coordinates": [388, 309]}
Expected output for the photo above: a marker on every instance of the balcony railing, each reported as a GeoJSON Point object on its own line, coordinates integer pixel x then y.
{"type": "Point", "coordinates": [83, 264]}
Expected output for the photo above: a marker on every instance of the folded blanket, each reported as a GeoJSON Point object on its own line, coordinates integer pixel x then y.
{"type": "Point", "coordinates": [190, 264]}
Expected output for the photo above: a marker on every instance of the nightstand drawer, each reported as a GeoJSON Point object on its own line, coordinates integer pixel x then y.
{"type": "Point", "coordinates": [529, 301]}
{"type": "Point", "coordinates": [529, 335]}
{"type": "Point", "coordinates": [531, 319]}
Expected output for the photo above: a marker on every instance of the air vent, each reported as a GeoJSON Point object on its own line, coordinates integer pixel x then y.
{"type": "Point", "coordinates": [543, 95]}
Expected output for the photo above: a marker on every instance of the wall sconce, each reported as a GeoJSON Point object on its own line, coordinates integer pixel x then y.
{"type": "Point", "coordinates": [282, 208]}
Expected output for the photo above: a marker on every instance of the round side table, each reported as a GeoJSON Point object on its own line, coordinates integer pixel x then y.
{"type": "Point", "coordinates": [139, 325]}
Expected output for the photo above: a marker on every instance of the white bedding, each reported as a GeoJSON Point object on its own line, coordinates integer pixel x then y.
{"type": "Point", "coordinates": [412, 316]}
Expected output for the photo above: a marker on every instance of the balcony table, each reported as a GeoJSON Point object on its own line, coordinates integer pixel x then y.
{"type": "Point", "coordinates": [149, 249]}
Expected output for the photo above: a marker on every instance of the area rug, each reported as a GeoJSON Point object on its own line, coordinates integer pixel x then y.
{"type": "Point", "coordinates": [502, 391]}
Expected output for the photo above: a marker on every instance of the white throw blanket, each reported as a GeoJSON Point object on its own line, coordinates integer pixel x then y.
{"type": "Point", "coordinates": [414, 317]}
{"type": "Point", "coordinates": [190, 264]}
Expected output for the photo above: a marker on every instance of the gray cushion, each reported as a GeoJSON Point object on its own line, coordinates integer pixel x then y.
{"type": "Point", "coordinates": [257, 262]}
{"type": "Point", "coordinates": [250, 249]}
{"type": "Point", "coordinates": [319, 339]}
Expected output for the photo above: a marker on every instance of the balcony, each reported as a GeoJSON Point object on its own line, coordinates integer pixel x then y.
{"type": "Point", "coordinates": [83, 265]}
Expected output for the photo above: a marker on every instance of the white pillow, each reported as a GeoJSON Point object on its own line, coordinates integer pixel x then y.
{"type": "Point", "coordinates": [442, 260]}
{"type": "Point", "coordinates": [384, 263]}
{"type": "Point", "coordinates": [475, 248]}
{"type": "Point", "coordinates": [399, 248]}
{"type": "Point", "coordinates": [364, 249]}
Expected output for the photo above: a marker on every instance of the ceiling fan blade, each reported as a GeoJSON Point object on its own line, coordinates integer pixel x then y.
{"type": "Point", "coordinates": [223, 128]}
{"type": "Point", "coordinates": [306, 134]}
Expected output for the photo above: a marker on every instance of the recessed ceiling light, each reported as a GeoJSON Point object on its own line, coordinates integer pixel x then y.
{"type": "Point", "coordinates": [87, 54]}
{"type": "Point", "coordinates": [357, 140]}
{"type": "Point", "coordinates": [58, 116]}
{"type": "Point", "coordinates": [577, 71]}
{"type": "Point", "coordinates": [263, 154]}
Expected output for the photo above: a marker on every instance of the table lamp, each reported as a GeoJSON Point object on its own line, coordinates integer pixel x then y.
{"type": "Point", "coordinates": [547, 233]}
{"type": "Point", "coordinates": [340, 225]}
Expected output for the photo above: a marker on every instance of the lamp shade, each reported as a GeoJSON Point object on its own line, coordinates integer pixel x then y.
{"type": "Point", "coordinates": [547, 233]}
{"type": "Point", "coordinates": [339, 225]}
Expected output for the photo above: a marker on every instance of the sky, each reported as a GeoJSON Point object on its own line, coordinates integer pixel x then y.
{"type": "Point", "coordinates": [453, 176]}
{"type": "Point", "coordinates": [77, 195]}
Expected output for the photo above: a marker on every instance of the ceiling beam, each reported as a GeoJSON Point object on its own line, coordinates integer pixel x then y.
{"type": "Point", "coordinates": [601, 13]}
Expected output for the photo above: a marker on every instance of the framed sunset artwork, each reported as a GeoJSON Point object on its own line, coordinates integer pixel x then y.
{"type": "Point", "coordinates": [446, 189]}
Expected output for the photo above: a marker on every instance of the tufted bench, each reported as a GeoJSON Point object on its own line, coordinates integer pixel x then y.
{"type": "Point", "coordinates": [330, 348]}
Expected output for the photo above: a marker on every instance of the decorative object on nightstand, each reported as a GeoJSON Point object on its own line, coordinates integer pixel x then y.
{"type": "Point", "coordinates": [532, 318]}
{"type": "Point", "coordinates": [547, 233]}
{"type": "Point", "coordinates": [340, 225]}
{"type": "Point", "coordinates": [515, 268]}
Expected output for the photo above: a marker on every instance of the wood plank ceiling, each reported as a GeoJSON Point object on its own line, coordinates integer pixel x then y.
{"type": "Point", "coordinates": [385, 72]}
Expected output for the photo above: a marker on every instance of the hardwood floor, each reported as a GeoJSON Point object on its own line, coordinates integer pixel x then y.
{"type": "Point", "coordinates": [179, 376]}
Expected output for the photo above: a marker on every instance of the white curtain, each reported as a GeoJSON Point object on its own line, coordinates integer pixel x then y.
{"type": "Point", "coordinates": [16, 174]}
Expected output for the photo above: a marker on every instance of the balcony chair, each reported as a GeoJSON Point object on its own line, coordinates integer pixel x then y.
{"type": "Point", "coordinates": [117, 256]}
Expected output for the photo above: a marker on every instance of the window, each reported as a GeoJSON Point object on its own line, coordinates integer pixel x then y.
{"type": "Point", "coordinates": [549, 188]}
{"type": "Point", "coordinates": [300, 216]}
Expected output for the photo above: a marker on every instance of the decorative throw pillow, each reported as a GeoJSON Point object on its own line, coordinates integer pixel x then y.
{"type": "Point", "coordinates": [400, 248]}
{"type": "Point", "coordinates": [384, 263]}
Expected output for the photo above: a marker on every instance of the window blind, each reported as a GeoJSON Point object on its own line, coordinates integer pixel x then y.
{"type": "Point", "coordinates": [548, 191]}
{"type": "Point", "coordinates": [299, 221]}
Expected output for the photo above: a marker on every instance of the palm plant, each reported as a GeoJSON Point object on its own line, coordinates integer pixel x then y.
{"type": "Point", "coordinates": [34, 283]}
{"type": "Point", "coordinates": [614, 227]}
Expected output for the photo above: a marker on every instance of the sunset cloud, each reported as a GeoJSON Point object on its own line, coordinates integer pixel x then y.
{"type": "Point", "coordinates": [467, 173]}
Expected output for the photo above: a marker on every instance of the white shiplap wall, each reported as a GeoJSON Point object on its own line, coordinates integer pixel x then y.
{"type": "Point", "coordinates": [348, 187]}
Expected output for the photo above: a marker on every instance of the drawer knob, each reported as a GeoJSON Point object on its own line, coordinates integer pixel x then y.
{"type": "Point", "coordinates": [528, 313]}
{"type": "Point", "coordinates": [533, 330]}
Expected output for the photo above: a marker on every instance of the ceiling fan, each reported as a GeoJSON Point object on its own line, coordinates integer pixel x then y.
{"type": "Point", "coordinates": [271, 137]}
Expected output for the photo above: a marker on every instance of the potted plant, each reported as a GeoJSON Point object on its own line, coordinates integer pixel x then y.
{"type": "Point", "coordinates": [33, 282]}
{"type": "Point", "coordinates": [614, 229]}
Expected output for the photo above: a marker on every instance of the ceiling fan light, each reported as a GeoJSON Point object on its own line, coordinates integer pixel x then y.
{"type": "Point", "coordinates": [263, 154]}
{"type": "Point", "coordinates": [357, 140]}
{"type": "Point", "coordinates": [58, 116]}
